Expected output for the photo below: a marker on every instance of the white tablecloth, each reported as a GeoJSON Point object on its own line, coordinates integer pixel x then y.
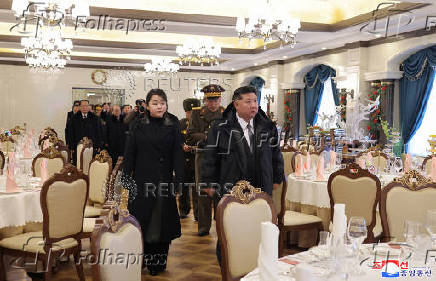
{"type": "Point", "coordinates": [20, 208]}
{"type": "Point", "coordinates": [368, 273]}
{"type": "Point", "coordinates": [310, 192]}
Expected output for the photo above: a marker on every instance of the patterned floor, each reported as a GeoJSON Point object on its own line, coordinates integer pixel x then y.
{"type": "Point", "coordinates": [190, 258]}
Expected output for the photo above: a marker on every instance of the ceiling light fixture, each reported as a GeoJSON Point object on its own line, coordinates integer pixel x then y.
{"type": "Point", "coordinates": [160, 66]}
{"type": "Point", "coordinates": [269, 23]}
{"type": "Point", "coordinates": [201, 51]}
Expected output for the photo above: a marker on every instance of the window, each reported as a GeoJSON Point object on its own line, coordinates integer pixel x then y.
{"type": "Point", "coordinates": [327, 104]}
{"type": "Point", "coordinates": [419, 145]}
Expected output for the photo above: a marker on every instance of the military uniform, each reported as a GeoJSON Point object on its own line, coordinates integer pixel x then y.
{"type": "Point", "coordinates": [199, 125]}
{"type": "Point", "coordinates": [184, 197]}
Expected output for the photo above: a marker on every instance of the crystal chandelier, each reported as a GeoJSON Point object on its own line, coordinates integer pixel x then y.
{"type": "Point", "coordinates": [202, 52]}
{"type": "Point", "coordinates": [47, 50]}
{"type": "Point", "coordinates": [161, 66]}
{"type": "Point", "coordinates": [50, 11]}
{"type": "Point", "coordinates": [269, 24]}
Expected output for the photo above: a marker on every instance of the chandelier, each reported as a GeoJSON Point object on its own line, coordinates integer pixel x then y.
{"type": "Point", "coordinates": [50, 11]}
{"type": "Point", "coordinates": [47, 50]}
{"type": "Point", "coordinates": [269, 24]}
{"type": "Point", "coordinates": [201, 51]}
{"type": "Point", "coordinates": [161, 66]}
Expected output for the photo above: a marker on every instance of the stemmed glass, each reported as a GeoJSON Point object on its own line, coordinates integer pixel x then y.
{"type": "Point", "coordinates": [412, 230]}
{"type": "Point", "coordinates": [356, 233]}
{"type": "Point", "coordinates": [430, 226]}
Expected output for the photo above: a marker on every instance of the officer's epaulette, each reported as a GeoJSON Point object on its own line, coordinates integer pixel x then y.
{"type": "Point", "coordinates": [196, 108]}
{"type": "Point", "coordinates": [222, 109]}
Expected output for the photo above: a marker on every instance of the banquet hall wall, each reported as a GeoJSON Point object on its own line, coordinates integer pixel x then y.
{"type": "Point", "coordinates": [40, 99]}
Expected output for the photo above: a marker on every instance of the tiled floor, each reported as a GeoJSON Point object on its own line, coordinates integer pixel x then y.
{"type": "Point", "coordinates": [191, 258]}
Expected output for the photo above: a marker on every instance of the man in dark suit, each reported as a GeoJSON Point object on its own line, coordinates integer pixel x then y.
{"type": "Point", "coordinates": [116, 134]}
{"type": "Point", "coordinates": [184, 197]}
{"type": "Point", "coordinates": [74, 110]}
{"type": "Point", "coordinates": [242, 145]}
{"type": "Point", "coordinates": [85, 124]}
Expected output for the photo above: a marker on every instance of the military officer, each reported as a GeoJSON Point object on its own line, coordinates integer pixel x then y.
{"type": "Point", "coordinates": [184, 197]}
{"type": "Point", "coordinates": [199, 126]}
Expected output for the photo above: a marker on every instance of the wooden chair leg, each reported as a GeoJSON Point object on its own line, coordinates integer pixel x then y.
{"type": "Point", "coordinates": [79, 265]}
{"type": "Point", "coordinates": [48, 264]}
{"type": "Point", "coordinates": [282, 243]}
{"type": "Point", "coordinates": [2, 268]}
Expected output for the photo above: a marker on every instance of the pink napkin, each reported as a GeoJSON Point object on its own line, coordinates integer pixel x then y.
{"type": "Point", "coordinates": [11, 184]}
{"type": "Point", "coordinates": [407, 163]}
{"type": "Point", "coordinates": [307, 163]}
{"type": "Point", "coordinates": [27, 153]}
{"type": "Point", "coordinates": [433, 168]}
{"type": "Point", "coordinates": [46, 144]}
{"type": "Point", "coordinates": [332, 159]}
{"type": "Point", "coordinates": [320, 169]}
{"type": "Point", "coordinates": [299, 165]}
{"type": "Point", "coordinates": [44, 170]}
{"type": "Point", "coordinates": [369, 158]}
{"type": "Point", "coordinates": [361, 162]}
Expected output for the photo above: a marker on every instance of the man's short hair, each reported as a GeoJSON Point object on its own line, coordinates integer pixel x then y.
{"type": "Point", "coordinates": [84, 101]}
{"type": "Point", "coordinates": [237, 95]}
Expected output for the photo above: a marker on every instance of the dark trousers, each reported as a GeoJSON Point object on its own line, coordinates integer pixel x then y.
{"type": "Point", "coordinates": [204, 201]}
{"type": "Point", "coordinates": [155, 256]}
{"type": "Point", "coordinates": [184, 195]}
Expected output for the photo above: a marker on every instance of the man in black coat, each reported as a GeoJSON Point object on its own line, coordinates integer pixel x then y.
{"type": "Point", "coordinates": [70, 115]}
{"type": "Point", "coordinates": [85, 124]}
{"type": "Point", "coordinates": [116, 134]}
{"type": "Point", "coordinates": [242, 145]}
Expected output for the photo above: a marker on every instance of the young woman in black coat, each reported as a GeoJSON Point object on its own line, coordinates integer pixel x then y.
{"type": "Point", "coordinates": [152, 157]}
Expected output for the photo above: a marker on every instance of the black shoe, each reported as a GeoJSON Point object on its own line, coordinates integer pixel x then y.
{"type": "Point", "coordinates": [183, 216]}
{"type": "Point", "coordinates": [196, 219]}
{"type": "Point", "coordinates": [203, 233]}
{"type": "Point", "coordinates": [153, 272]}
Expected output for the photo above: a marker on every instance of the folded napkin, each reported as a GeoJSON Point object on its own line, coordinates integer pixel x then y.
{"type": "Point", "coordinates": [11, 184]}
{"type": "Point", "coordinates": [268, 252]}
{"type": "Point", "coordinates": [307, 162]}
{"type": "Point", "coordinates": [46, 144]}
{"type": "Point", "coordinates": [433, 169]}
{"type": "Point", "coordinates": [339, 221]}
{"type": "Point", "coordinates": [44, 170]}
{"type": "Point", "coordinates": [369, 159]}
{"type": "Point", "coordinates": [27, 153]}
{"type": "Point", "coordinates": [361, 162]}
{"type": "Point", "coordinates": [299, 165]}
{"type": "Point", "coordinates": [320, 169]}
{"type": "Point", "coordinates": [407, 163]}
{"type": "Point", "coordinates": [332, 159]}
{"type": "Point", "coordinates": [294, 144]}
{"type": "Point", "coordinates": [304, 272]}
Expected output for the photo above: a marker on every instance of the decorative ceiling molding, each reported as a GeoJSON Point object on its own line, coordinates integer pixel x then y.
{"type": "Point", "coordinates": [372, 76]}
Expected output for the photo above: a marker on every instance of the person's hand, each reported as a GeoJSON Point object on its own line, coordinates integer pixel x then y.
{"type": "Point", "coordinates": [186, 148]}
{"type": "Point", "coordinates": [210, 191]}
{"type": "Point", "coordinates": [276, 186]}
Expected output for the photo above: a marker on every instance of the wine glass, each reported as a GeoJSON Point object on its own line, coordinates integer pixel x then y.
{"type": "Point", "coordinates": [430, 225]}
{"type": "Point", "coordinates": [412, 230]}
{"type": "Point", "coordinates": [356, 233]}
{"type": "Point", "coordinates": [398, 164]}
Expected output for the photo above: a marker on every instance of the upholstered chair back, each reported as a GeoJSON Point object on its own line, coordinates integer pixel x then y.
{"type": "Point", "coordinates": [359, 190]}
{"type": "Point", "coordinates": [63, 199]}
{"type": "Point", "coordinates": [120, 234]}
{"type": "Point", "coordinates": [78, 154]}
{"type": "Point", "coordinates": [239, 217]}
{"type": "Point", "coordinates": [426, 164]}
{"type": "Point", "coordinates": [55, 162]}
{"type": "Point", "coordinates": [86, 158]}
{"type": "Point", "coordinates": [406, 198]}
{"type": "Point", "coordinates": [2, 161]}
{"type": "Point", "coordinates": [99, 172]}
{"type": "Point", "coordinates": [277, 193]}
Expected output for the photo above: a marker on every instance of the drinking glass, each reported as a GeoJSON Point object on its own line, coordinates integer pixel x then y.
{"type": "Point", "coordinates": [356, 233]}
{"type": "Point", "coordinates": [412, 230]}
{"type": "Point", "coordinates": [430, 226]}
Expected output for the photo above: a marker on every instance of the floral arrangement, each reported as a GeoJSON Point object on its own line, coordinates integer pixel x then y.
{"type": "Point", "coordinates": [375, 117]}
{"type": "Point", "coordinates": [288, 113]}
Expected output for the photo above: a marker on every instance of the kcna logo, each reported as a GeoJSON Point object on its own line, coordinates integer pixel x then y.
{"type": "Point", "coordinates": [397, 269]}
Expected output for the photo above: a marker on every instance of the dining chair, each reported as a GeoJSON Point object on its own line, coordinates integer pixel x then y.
{"type": "Point", "coordinates": [405, 198]}
{"type": "Point", "coordinates": [8, 143]}
{"type": "Point", "coordinates": [360, 191]}
{"type": "Point", "coordinates": [99, 175]}
{"type": "Point", "coordinates": [86, 154]}
{"type": "Point", "coordinates": [114, 187]}
{"type": "Point", "coordinates": [119, 235]}
{"type": "Point", "coordinates": [63, 149]}
{"type": "Point", "coordinates": [55, 162]}
{"type": "Point", "coordinates": [63, 199]}
{"type": "Point", "coordinates": [79, 148]}
{"type": "Point", "coordinates": [287, 153]}
{"type": "Point", "coordinates": [238, 223]}
{"type": "Point", "coordinates": [2, 162]}
{"type": "Point", "coordinates": [289, 221]}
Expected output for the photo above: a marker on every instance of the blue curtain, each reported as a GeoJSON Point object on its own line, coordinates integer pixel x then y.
{"type": "Point", "coordinates": [415, 89]}
{"type": "Point", "coordinates": [314, 80]}
{"type": "Point", "coordinates": [258, 83]}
